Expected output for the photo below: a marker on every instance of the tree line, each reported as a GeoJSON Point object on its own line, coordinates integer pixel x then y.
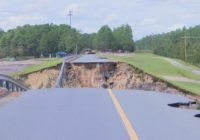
{"type": "Point", "coordinates": [173, 44]}
{"type": "Point", "coordinates": [34, 40]}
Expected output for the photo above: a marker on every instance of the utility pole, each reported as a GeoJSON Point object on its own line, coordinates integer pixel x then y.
{"type": "Point", "coordinates": [76, 49]}
{"type": "Point", "coordinates": [152, 35]}
{"type": "Point", "coordinates": [70, 18]}
{"type": "Point", "coordinates": [70, 21]}
{"type": "Point", "coordinates": [185, 46]}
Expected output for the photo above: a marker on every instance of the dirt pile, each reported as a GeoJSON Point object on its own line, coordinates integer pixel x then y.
{"type": "Point", "coordinates": [42, 79]}
{"type": "Point", "coordinates": [87, 75]}
{"type": "Point", "coordinates": [112, 75]}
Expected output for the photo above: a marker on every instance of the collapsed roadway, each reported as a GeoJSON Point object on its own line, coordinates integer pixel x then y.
{"type": "Point", "coordinates": [97, 113]}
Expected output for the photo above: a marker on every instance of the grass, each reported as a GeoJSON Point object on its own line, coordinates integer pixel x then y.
{"type": "Point", "coordinates": [198, 103]}
{"type": "Point", "coordinates": [159, 67]}
{"type": "Point", "coordinates": [47, 63]}
{"type": "Point", "coordinates": [192, 87]}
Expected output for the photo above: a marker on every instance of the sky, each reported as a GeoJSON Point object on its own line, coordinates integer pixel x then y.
{"type": "Point", "coordinates": [146, 17]}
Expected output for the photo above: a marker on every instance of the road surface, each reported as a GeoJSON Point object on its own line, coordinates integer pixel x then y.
{"type": "Point", "coordinates": [91, 58]}
{"type": "Point", "coordinates": [88, 114]}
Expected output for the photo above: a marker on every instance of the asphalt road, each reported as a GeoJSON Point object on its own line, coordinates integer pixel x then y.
{"type": "Point", "coordinates": [153, 119]}
{"type": "Point", "coordinates": [88, 114]}
{"type": "Point", "coordinates": [60, 114]}
{"type": "Point", "coordinates": [91, 58]}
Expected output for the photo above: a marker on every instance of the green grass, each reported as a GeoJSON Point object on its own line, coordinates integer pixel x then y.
{"type": "Point", "coordinates": [159, 67]}
{"type": "Point", "coordinates": [198, 103]}
{"type": "Point", "coordinates": [47, 63]}
{"type": "Point", "coordinates": [192, 87]}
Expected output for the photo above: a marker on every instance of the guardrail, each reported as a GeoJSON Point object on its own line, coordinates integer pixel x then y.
{"type": "Point", "coordinates": [60, 76]}
{"type": "Point", "coordinates": [11, 84]}
{"type": "Point", "coordinates": [59, 81]}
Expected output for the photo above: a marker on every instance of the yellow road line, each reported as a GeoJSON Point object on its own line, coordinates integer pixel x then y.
{"type": "Point", "coordinates": [131, 132]}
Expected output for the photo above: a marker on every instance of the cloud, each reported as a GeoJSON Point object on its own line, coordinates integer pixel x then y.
{"type": "Point", "coordinates": [144, 16]}
{"type": "Point", "coordinates": [175, 27]}
{"type": "Point", "coordinates": [74, 7]}
{"type": "Point", "coordinates": [14, 21]}
{"type": "Point", "coordinates": [3, 3]}
{"type": "Point", "coordinates": [110, 19]}
{"type": "Point", "coordinates": [149, 21]}
{"type": "Point", "coordinates": [23, 19]}
{"type": "Point", "coordinates": [191, 16]}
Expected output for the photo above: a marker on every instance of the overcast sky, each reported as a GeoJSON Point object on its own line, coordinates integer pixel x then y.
{"type": "Point", "coordinates": [145, 16]}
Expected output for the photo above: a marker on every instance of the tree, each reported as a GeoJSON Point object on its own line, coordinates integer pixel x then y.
{"type": "Point", "coordinates": [172, 44]}
{"type": "Point", "coordinates": [123, 38]}
{"type": "Point", "coordinates": [1, 32]}
{"type": "Point", "coordinates": [34, 40]}
{"type": "Point", "coordinates": [104, 39]}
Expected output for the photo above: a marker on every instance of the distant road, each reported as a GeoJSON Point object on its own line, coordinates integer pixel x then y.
{"type": "Point", "coordinates": [178, 64]}
{"type": "Point", "coordinates": [9, 67]}
{"type": "Point", "coordinates": [91, 58]}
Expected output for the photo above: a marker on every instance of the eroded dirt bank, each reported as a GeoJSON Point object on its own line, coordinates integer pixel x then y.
{"type": "Point", "coordinates": [113, 75]}
{"type": "Point", "coordinates": [41, 79]}
{"type": "Point", "coordinates": [95, 75]}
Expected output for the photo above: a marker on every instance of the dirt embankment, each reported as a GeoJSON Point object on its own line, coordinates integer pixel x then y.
{"type": "Point", "coordinates": [113, 75]}
{"type": "Point", "coordinates": [95, 75]}
{"type": "Point", "coordinates": [87, 75]}
{"type": "Point", "coordinates": [41, 79]}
